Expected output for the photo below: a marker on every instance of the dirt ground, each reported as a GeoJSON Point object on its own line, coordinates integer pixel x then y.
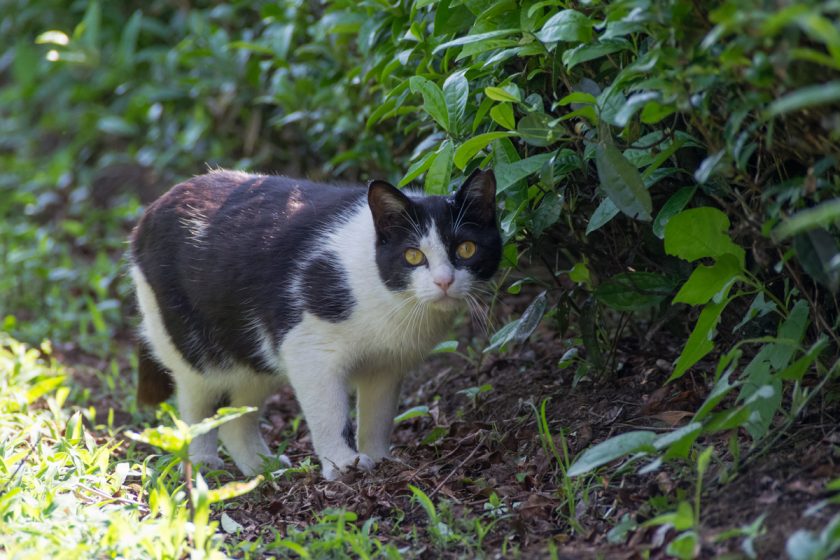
{"type": "Point", "coordinates": [489, 444]}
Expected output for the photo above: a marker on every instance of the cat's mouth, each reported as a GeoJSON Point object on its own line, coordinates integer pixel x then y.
{"type": "Point", "coordinates": [446, 302]}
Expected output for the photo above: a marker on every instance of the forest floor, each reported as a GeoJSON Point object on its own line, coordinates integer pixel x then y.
{"type": "Point", "coordinates": [493, 484]}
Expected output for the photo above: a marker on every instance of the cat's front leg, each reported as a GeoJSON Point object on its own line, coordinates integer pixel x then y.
{"type": "Point", "coordinates": [322, 391]}
{"type": "Point", "coordinates": [377, 399]}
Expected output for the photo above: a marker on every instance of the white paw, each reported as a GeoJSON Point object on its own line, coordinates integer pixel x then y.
{"type": "Point", "coordinates": [379, 454]}
{"type": "Point", "coordinates": [256, 464]}
{"type": "Point", "coordinates": [207, 462]}
{"type": "Point", "coordinates": [333, 468]}
{"type": "Point", "coordinates": [250, 466]}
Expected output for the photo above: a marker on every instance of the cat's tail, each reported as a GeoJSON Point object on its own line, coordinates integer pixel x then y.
{"type": "Point", "coordinates": [154, 382]}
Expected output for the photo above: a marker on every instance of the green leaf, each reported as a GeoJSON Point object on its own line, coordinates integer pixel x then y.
{"type": "Point", "coordinates": [796, 370]}
{"type": "Point", "coordinates": [469, 39]}
{"type": "Point", "coordinates": [672, 206]}
{"type": "Point", "coordinates": [622, 182]}
{"type": "Point", "coordinates": [508, 174]}
{"type": "Point", "coordinates": [586, 52]}
{"type": "Point", "coordinates": [232, 490]}
{"type": "Point", "coordinates": [456, 91]}
{"type": "Point", "coordinates": [417, 168]}
{"type": "Point", "coordinates": [633, 291]}
{"type": "Point", "coordinates": [708, 167]}
{"type": "Point", "coordinates": [699, 342]}
{"type": "Point", "coordinates": [633, 104]}
{"type": "Point", "coordinates": [678, 442]}
{"type": "Point", "coordinates": [468, 149]}
{"type": "Point", "coordinates": [758, 308]}
{"type": "Point", "coordinates": [509, 94]}
{"type": "Point", "coordinates": [547, 213]}
{"type": "Point", "coordinates": [43, 387]}
{"type": "Point", "coordinates": [700, 232]}
{"type": "Point", "coordinates": [520, 329]}
{"type": "Point", "coordinates": [163, 437]}
{"type": "Point", "coordinates": [817, 252]}
{"type": "Point", "coordinates": [686, 545]}
{"type": "Point", "coordinates": [611, 449]}
{"type": "Point", "coordinates": [222, 416]}
{"type": "Point", "coordinates": [531, 318]}
{"type": "Point", "coordinates": [602, 215]}
{"type": "Point", "coordinates": [821, 215]}
{"type": "Point", "coordinates": [809, 96]}
{"type": "Point", "coordinates": [566, 25]}
{"type": "Point", "coordinates": [414, 412]}
{"type": "Point", "coordinates": [380, 112]}
{"type": "Point", "coordinates": [445, 347]}
{"type": "Point", "coordinates": [708, 281]}
{"type": "Point", "coordinates": [434, 102]}
{"type": "Point", "coordinates": [577, 98]}
{"type": "Point", "coordinates": [437, 179]}
{"type": "Point", "coordinates": [580, 273]}
{"type": "Point", "coordinates": [502, 114]}
{"type": "Point", "coordinates": [435, 435]}
{"type": "Point", "coordinates": [502, 336]}
{"type": "Point", "coordinates": [116, 126]}
{"type": "Point", "coordinates": [791, 331]}
{"type": "Point", "coordinates": [535, 130]}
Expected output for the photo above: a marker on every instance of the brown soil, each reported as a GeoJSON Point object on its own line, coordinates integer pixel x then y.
{"type": "Point", "coordinates": [490, 445]}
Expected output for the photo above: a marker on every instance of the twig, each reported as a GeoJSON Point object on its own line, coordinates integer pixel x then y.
{"type": "Point", "coordinates": [453, 471]}
{"type": "Point", "coordinates": [188, 479]}
{"type": "Point", "coordinates": [20, 465]}
{"type": "Point", "coordinates": [108, 497]}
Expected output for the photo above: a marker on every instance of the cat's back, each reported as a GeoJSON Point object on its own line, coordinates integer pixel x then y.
{"type": "Point", "coordinates": [221, 252]}
{"type": "Point", "coordinates": [222, 210]}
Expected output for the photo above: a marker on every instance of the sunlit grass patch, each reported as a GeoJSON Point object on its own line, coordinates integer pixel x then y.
{"type": "Point", "coordinates": [64, 491]}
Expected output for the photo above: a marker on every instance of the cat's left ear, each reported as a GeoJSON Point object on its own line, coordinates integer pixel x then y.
{"type": "Point", "coordinates": [388, 205]}
{"type": "Point", "coordinates": [478, 195]}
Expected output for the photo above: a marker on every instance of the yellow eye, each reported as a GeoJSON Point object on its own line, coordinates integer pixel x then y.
{"type": "Point", "coordinates": [466, 249]}
{"type": "Point", "coordinates": [414, 257]}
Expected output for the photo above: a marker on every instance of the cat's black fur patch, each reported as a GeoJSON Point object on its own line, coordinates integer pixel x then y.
{"type": "Point", "coordinates": [223, 401]}
{"type": "Point", "coordinates": [349, 434]}
{"type": "Point", "coordinates": [325, 289]}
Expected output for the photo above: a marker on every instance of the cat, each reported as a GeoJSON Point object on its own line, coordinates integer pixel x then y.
{"type": "Point", "coordinates": [244, 280]}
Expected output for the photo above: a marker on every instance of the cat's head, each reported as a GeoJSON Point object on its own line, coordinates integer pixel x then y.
{"type": "Point", "coordinates": [437, 248]}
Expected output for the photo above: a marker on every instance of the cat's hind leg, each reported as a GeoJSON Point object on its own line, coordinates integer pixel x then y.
{"type": "Point", "coordinates": [196, 401]}
{"type": "Point", "coordinates": [196, 398]}
{"type": "Point", "coordinates": [241, 436]}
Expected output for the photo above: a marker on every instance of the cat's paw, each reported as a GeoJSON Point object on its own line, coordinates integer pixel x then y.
{"type": "Point", "coordinates": [207, 462]}
{"type": "Point", "coordinates": [332, 469]}
{"type": "Point", "coordinates": [254, 465]}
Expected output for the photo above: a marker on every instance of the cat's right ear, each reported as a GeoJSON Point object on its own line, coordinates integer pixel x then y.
{"type": "Point", "coordinates": [388, 205]}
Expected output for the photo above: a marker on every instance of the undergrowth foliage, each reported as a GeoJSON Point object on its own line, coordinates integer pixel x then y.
{"type": "Point", "coordinates": [664, 167]}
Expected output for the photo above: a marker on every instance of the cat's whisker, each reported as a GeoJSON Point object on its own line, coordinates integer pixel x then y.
{"type": "Point", "coordinates": [479, 313]}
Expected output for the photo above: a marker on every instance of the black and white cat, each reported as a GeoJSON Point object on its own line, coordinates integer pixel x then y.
{"type": "Point", "coordinates": [244, 279]}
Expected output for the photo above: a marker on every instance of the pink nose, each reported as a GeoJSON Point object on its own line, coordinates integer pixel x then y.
{"type": "Point", "coordinates": [444, 283]}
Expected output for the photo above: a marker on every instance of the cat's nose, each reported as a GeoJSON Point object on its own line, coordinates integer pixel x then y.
{"type": "Point", "coordinates": [444, 281]}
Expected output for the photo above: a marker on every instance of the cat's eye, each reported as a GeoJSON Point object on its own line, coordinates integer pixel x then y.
{"type": "Point", "coordinates": [466, 249]}
{"type": "Point", "coordinates": [414, 257]}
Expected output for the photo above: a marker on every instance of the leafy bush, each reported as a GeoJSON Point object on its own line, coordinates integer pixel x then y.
{"type": "Point", "coordinates": [672, 165]}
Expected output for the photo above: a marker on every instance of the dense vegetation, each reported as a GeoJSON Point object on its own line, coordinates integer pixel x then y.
{"type": "Point", "coordinates": [667, 170]}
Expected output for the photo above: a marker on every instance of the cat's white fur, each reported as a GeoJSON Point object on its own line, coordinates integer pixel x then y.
{"type": "Point", "coordinates": [386, 334]}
